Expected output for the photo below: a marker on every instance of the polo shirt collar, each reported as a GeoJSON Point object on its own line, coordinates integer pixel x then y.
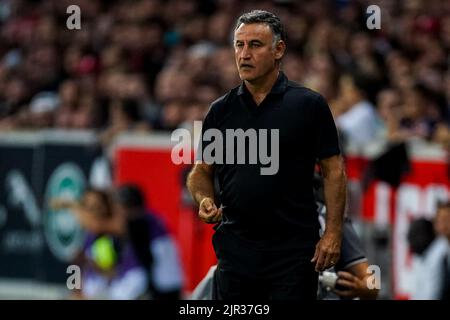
{"type": "Point", "coordinates": [279, 86]}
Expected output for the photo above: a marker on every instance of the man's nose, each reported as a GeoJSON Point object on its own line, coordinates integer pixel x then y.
{"type": "Point", "coordinates": [245, 53]}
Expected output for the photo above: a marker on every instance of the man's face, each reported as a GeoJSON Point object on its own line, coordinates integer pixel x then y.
{"type": "Point", "coordinates": [254, 52]}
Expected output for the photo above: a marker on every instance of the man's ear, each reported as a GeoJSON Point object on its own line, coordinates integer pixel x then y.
{"type": "Point", "coordinates": [280, 48]}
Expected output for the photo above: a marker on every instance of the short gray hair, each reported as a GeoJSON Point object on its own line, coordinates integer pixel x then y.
{"type": "Point", "coordinates": [261, 16]}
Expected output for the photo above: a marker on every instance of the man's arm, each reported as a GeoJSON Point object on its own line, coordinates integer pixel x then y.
{"type": "Point", "coordinates": [200, 183]}
{"type": "Point", "coordinates": [328, 248]}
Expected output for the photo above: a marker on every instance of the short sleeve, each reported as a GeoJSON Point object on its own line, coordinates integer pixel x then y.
{"type": "Point", "coordinates": [351, 251]}
{"type": "Point", "coordinates": [327, 136]}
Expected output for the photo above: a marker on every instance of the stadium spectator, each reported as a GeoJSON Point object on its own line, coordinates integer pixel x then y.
{"type": "Point", "coordinates": [442, 227]}
{"type": "Point", "coordinates": [111, 269]}
{"type": "Point", "coordinates": [429, 250]}
{"type": "Point", "coordinates": [151, 241]}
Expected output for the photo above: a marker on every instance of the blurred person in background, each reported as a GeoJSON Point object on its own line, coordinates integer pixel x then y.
{"type": "Point", "coordinates": [358, 120]}
{"type": "Point", "coordinates": [442, 227]}
{"type": "Point", "coordinates": [77, 110]}
{"type": "Point", "coordinates": [389, 109]}
{"type": "Point", "coordinates": [152, 243]}
{"type": "Point", "coordinates": [431, 241]}
{"type": "Point", "coordinates": [171, 115]}
{"type": "Point", "coordinates": [14, 97]}
{"type": "Point", "coordinates": [419, 117]}
{"type": "Point", "coordinates": [123, 222]}
{"type": "Point", "coordinates": [124, 117]}
{"type": "Point", "coordinates": [41, 111]}
{"type": "Point", "coordinates": [110, 267]}
{"type": "Point", "coordinates": [428, 250]}
{"type": "Point", "coordinates": [68, 95]}
{"type": "Point", "coordinates": [39, 114]}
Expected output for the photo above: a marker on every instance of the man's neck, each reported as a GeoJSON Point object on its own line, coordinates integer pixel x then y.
{"type": "Point", "coordinates": [261, 87]}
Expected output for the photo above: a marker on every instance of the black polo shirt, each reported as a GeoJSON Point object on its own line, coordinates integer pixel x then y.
{"type": "Point", "coordinates": [268, 207]}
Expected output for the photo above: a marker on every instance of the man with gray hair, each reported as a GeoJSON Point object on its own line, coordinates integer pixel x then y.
{"type": "Point", "coordinates": [267, 242]}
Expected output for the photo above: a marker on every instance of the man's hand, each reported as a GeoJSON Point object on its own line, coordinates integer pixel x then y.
{"type": "Point", "coordinates": [328, 251]}
{"type": "Point", "coordinates": [208, 211]}
{"type": "Point", "coordinates": [354, 286]}
{"type": "Point", "coordinates": [200, 184]}
{"type": "Point", "coordinates": [354, 282]}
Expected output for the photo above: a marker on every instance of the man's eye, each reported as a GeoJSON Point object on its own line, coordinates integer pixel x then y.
{"type": "Point", "coordinates": [239, 45]}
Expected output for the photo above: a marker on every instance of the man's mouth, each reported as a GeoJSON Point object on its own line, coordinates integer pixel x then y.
{"type": "Point", "coordinates": [244, 65]}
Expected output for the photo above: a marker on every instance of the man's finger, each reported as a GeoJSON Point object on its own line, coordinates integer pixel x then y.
{"type": "Point", "coordinates": [216, 218]}
{"type": "Point", "coordinates": [346, 283]}
{"type": "Point", "coordinates": [219, 215]}
{"type": "Point", "coordinates": [316, 254]}
{"type": "Point", "coordinates": [336, 257]}
{"type": "Point", "coordinates": [327, 261]}
{"type": "Point", "coordinates": [211, 205]}
{"type": "Point", "coordinates": [212, 210]}
{"type": "Point", "coordinates": [210, 213]}
{"type": "Point", "coordinates": [216, 215]}
{"type": "Point", "coordinates": [320, 261]}
{"type": "Point", "coordinates": [207, 219]}
{"type": "Point", "coordinates": [345, 275]}
{"type": "Point", "coordinates": [331, 259]}
{"type": "Point", "coordinates": [204, 215]}
{"type": "Point", "coordinates": [207, 204]}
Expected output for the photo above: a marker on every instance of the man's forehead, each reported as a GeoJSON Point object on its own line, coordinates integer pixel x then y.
{"type": "Point", "coordinates": [253, 31]}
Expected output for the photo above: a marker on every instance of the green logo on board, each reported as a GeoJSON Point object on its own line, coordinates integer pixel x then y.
{"type": "Point", "coordinates": [64, 235]}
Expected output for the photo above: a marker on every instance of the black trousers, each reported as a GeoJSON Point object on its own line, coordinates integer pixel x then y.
{"type": "Point", "coordinates": [246, 273]}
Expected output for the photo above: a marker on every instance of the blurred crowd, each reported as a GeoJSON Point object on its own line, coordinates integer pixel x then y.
{"type": "Point", "coordinates": [145, 65]}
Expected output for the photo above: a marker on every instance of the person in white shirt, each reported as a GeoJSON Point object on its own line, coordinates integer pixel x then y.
{"type": "Point", "coordinates": [429, 250]}
{"type": "Point", "coordinates": [359, 123]}
{"type": "Point", "coordinates": [442, 227]}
